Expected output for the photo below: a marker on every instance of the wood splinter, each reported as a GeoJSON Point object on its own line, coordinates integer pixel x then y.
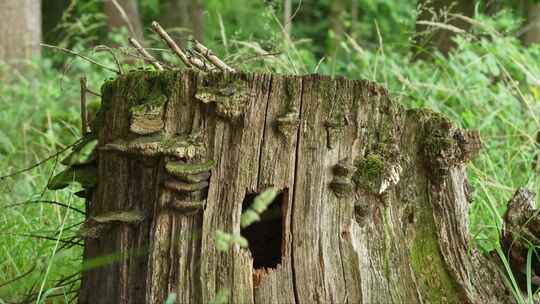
{"type": "Point", "coordinates": [144, 53]}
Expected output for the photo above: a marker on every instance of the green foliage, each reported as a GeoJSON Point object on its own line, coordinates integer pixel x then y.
{"type": "Point", "coordinates": [225, 240]}
{"type": "Point", "coordinates": [40, 116]}
{"type": "Point", "coordinates": [259, 205]}
{"type": "Point", "coordinates": [222, 297]}
{"type": "Point", "coordinates": [171, 299]}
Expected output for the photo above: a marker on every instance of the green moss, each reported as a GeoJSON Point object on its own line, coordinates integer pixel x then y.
{"type": "Point", "coordinates": [369, 172]}
{"type": "Point", "coordinates": [435, 282]}
{"type": "Point", "coordinates": [178, 168]}
{"type": "Point", "coordinates": [151, 104]}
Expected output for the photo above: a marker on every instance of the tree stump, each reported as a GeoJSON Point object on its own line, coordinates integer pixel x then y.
{"type": "Point", "coordinates": [373, 203]}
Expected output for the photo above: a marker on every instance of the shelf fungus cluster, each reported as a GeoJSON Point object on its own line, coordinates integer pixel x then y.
{"type": "Point", "coordinates": [96, 226]}
{"type": "Point", "coordinates": [180, 147]}
{"type": "Point", "coordinates": [230, 97]}
{"type": "Point", "coordinates": [187, 173]}
{"type": "Point", "coordinates": [188, 182]}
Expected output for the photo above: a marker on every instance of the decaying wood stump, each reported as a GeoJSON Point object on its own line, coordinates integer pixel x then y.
{"type": "Point", "coordinates": [373, 205]}
{"type": "Point", "coordinates": [520, 237]}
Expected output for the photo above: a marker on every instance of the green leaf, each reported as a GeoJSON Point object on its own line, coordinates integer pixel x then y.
{"type": "Point", "coordinates": [263, 200]}
{"type": "Point", "coordinates": [171, 298]}
{"type": "Point", "coordinates": [249, 217]}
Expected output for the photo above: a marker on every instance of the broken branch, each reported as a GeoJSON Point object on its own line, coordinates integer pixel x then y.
{"type": "Point", "coordinates": [177, 50]}
{"type": "Point", "coordinates": [210, 56]}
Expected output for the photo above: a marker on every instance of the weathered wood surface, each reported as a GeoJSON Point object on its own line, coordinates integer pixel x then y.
{"type": "Point", "coordinates": [374, 204]}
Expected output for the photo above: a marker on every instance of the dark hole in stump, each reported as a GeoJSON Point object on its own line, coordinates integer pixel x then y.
{"type": "Point", "coordinates": [265, 236]}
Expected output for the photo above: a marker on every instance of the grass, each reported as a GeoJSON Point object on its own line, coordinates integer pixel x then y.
{"type": "Point", "coordinates": [489, 82]}
{"type": "Point", "coordinates": [39, 116]}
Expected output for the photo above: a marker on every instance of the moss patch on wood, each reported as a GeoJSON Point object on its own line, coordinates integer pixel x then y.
{"type": "Point", "coordinates": [181, 168]}
{"type": "Point", "coordinates": [433, 278]}
{"type": "Point", "coordinates": [369, 172]}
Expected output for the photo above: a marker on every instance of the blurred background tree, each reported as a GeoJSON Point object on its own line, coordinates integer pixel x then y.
{"type": "Point", "coordinates": [21, 34]}
{"type": "Point", "coordinates": [185, 14]}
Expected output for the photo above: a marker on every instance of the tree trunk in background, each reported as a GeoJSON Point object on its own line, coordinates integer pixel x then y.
{"type": "Point", "coordinates": [373, 205]}
{"type": "Point", "coordinates": [532, 28]}
{"type": "Point", "coordinates": [428, 37]}
{"type": "Point", "coordinates": [187, 14]}
{"type": "Point", "coordinates": [20, 31]}
{"type": "Point", "coordinates": [129, 18]}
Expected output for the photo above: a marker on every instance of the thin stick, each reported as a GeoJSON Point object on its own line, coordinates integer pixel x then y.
{"type": "Point", "coordinates": [177, 50]}
{"type": "Point", "coordinates": [80, 56]}
{"type": "Point", "coordinates": [145, 54]}
{"type": "Point", "coordinates": [209, 55]}
{"type": "Point", "coordinates": [105, 48]}
{"type": "Point", "coordinates": [84, 116]}
{"type": "Point", "coordinates": [42, 161]}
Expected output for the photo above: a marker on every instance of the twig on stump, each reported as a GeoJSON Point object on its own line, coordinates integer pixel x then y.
{"type": "Point", "coordinates": [84, 115]}
{"type": "Point", "coordinates": [146, 56]}
{"type": "Point", "coordinates": [210, 56]}
{"type": "Point", "coordinates": [177, 50]}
